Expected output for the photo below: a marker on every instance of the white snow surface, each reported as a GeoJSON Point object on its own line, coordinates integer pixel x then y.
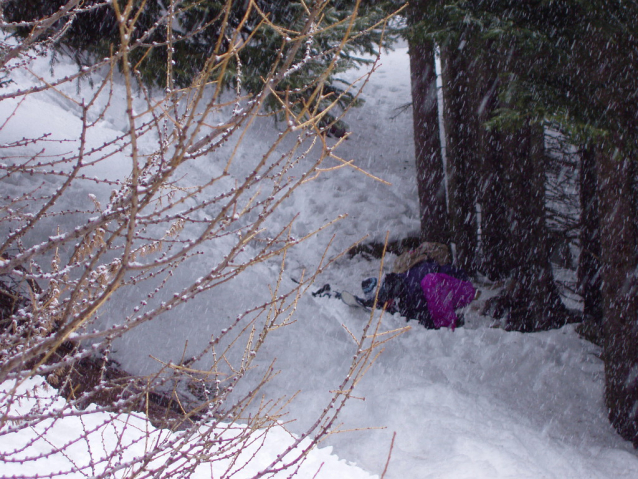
{"type": "Point", "coordinates": [476, 403]}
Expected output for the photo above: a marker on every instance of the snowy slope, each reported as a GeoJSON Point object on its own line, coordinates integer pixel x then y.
{"type": "Point", "coordinates": [474, 403]}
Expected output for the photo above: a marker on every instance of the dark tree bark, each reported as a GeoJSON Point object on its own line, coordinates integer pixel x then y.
{"type": "Point", "coordinates": [496, 262]}
{"type": "Point", "coordinates": [589, 278]}
{"type": "Point", "coordinates": [618, 242]}
{"type": "Point", "coordinates": [427, 141]}
{"type": "Point", "coordinates": [531, 301]}
{"type": "Point", "coordinates": [460, 102]}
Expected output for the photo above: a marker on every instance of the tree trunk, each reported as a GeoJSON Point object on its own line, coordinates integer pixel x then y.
{"type": "Point", "coordinates": [495, 261]}
{"type": "Point", "coordinates": [618, 241]}
{"type": "Point", "coordinates": [531, 301]}
{"type": "Point", "coordinates": [427, 142]}
{"type": "Point", "coordinates": [461, 131]}
{"type": "Point", "coordinates": [589, 278]}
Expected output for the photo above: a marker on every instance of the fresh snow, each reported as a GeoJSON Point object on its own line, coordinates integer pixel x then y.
{"type": "Point", "coordinates": [135, 435]}
{"type": "Point", "coordinates": [475, 403]}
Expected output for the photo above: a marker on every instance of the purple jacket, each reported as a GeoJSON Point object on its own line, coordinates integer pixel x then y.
{"type": "Point", "coordinates": [414, 301]}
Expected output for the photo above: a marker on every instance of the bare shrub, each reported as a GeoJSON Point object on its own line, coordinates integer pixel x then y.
{"type": "Point", "coordinates": [66, 253]}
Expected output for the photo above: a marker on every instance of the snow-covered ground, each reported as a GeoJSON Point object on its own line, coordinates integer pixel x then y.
{"type": "Point", "coordinates": [475, 403]}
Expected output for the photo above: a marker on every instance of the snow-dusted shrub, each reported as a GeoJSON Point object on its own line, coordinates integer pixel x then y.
{"type": "Point", "coordinates": [96, 210]}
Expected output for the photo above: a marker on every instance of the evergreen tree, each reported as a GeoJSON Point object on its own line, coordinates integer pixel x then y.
{"type": "Point", "coordinates": [507, 160]}
{"type": "Point", "coordinates": [494, 260]}
{"type": "Point", "coordinates": [589, 278]}
{"type": "Point", "coordinates": [619, 240]}
{"type": "Point", "coordinates": [201, 28]}
{"type": "Point", "coordinates": [585, 90]}
{"type": "Point", "coordinates": [566, 66]}
{"type": "Point", "coordinates": [462, 141]}
{"type": "Point", "coordinates": [428, 155]}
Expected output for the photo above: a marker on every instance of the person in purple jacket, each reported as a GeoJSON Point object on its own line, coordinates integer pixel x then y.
{"type": "Point", "coordinates": [427, 292]}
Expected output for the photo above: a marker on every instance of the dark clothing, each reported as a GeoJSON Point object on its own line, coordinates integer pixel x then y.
{"type": "Point", "coordinates": [405, 289]}
{"type": "Point", "coordinates": [403, 292]}
{"type": "Point", "coordinates": [455, 272]}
